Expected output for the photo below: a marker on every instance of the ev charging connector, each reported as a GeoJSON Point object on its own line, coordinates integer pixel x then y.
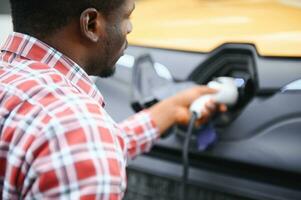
{"type": "Point", "coordinates": [227, 93]}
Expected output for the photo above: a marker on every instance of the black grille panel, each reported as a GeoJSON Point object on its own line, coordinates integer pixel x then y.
{"type": "Point", "coordinates": [143, 186]}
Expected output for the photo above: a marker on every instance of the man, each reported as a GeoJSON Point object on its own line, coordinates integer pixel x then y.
{"type": "Point", "coordinates": [57, 141]}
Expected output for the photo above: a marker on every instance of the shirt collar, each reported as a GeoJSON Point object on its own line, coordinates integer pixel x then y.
{"type": "Point", "coordinates": [34, 49]}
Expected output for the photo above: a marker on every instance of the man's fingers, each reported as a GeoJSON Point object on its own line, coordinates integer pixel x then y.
{"type": "Point", "coordinates": [204, 117]}
{"type": "Point", "coordinates": [211, 106]}
{"type": "Point", "coordinates": [223, 108]}
{"type": "Point", "coordinates": [205, 90]}
{"type": "Point", "coordinates": [185, 98]}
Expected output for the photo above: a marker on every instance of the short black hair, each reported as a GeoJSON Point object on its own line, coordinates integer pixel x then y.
{"type": "Point", "coordinates": [43, 18]}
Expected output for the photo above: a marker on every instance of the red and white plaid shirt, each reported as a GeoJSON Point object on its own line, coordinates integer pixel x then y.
{"type": "Point", "coordinates": [56, 139]}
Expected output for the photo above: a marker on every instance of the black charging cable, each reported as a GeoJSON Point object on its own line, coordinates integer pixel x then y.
{"type": "Point", "coordinates": [185, 156]}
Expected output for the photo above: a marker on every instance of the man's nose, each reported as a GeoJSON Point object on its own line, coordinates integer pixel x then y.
{"type": "Point", "coordinates": [129, 28]}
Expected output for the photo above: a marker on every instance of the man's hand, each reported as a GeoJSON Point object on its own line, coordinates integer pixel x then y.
{"type": "Point", "coordinates": [175, 110]}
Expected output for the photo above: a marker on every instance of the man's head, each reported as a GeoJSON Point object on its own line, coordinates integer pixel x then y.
{"type": "Point", "coordinates": [91, 32]}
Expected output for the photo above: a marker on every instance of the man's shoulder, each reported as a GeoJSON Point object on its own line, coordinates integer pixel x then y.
{"type": "Point", "coordinates": [37, 82]}
{"type": "Point", "coordinates": [24, 75]}
{"type": "Point", "coordinates": [28, 70]}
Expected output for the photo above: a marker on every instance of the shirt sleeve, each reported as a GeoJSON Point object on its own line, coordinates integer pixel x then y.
{"type": "Point", "coordinates": [140, 132]}
{"type": "Point", "coordinates": [79, 158]}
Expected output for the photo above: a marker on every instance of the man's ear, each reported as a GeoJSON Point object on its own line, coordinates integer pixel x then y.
{"type": "Point", "coordinates": [92, 24]}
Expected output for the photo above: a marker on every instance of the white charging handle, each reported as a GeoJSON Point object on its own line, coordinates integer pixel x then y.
{"type": "Point", "coordinates": [227, 93]}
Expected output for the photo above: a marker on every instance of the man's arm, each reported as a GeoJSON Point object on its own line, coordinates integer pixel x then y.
{"type": "Point", "coordinates": [175, 110]}
{"type": "Point", "coordinates": [142, 129]}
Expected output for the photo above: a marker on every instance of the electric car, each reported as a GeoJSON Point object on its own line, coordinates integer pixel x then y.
{"type": "Point", "coordinates": [256, 152]}
{"type": "Point", "coordinates": [178, 43]}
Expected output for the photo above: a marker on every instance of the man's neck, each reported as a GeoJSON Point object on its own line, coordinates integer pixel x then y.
{"type": "Point", "coordinates": [68, 44]}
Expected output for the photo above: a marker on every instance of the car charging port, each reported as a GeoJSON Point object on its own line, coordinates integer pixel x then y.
{"type": "Point", "coordinates": [230, 61]}
{"type": "Point", "coordinates": [246, 91]}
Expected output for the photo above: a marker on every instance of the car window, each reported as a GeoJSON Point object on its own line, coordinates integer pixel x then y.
{"type": "Point", "coordinates": [4, 7]}
{"type": "Point", "coordinates": [5, 20]}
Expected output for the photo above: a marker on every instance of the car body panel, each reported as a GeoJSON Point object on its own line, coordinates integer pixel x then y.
{"type": "Point", "coordinates": [256, 154]}
{"type": "Point", "coordinates": [273, 26]}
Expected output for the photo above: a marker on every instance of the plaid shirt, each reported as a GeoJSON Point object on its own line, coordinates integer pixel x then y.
{"type": "Point", "coordinates": [57, 141]}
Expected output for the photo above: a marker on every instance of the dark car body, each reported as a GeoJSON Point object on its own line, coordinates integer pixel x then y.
{"type": "Point", "coordinates": [257, 154]}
